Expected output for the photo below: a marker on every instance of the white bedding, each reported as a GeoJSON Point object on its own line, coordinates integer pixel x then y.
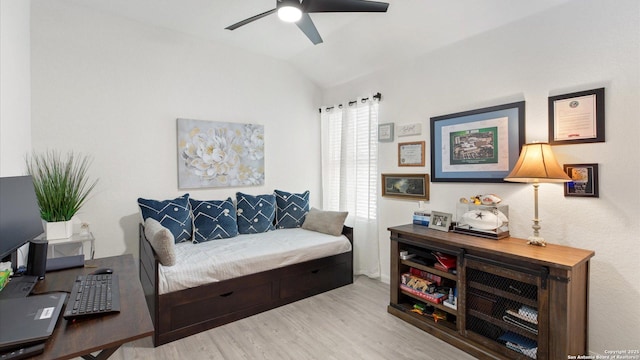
{"type": "Point", "coordinates": [216, 260]}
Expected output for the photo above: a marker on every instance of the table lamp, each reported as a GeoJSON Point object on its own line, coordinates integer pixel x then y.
{"type": "Point", "coordinates": [536, 165]}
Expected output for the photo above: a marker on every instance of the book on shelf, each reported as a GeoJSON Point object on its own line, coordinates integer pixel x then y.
{"type": "Point", "coordinates": [426, 275]}
{"type": "Point", "coordinates": [521, 324]}
{"type": "Point", "coordinates": [445, 262]}
{"type": "Point", "coordinates": [528, 317]}
{"type": "Point", "coordinates": [436, 298]}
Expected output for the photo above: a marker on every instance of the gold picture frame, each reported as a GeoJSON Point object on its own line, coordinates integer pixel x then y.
{"type": "Point", "coordinates": [406, 186]}
{"type": "Point", "coordinates": [411, 153]}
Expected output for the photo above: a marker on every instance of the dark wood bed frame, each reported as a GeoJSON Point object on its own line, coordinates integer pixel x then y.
{"type": "Point", "coordinates": [186, 312]}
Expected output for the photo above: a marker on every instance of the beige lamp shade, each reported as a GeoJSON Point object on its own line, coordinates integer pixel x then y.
{"type": "Point", "coordinates": [537, 164]}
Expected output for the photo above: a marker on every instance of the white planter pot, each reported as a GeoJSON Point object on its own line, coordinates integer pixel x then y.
{"type": "Point", "coordinates": [58, 229]}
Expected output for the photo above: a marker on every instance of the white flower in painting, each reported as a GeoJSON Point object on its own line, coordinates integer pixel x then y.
{"type": "Point", "coordinates": [248, 175]}
{"type": "Point", "coordinates": [251, 145]}
{"type": "Point", "coordinates": [222, 155]}
{"type": "Point", "coordinates": [211, 155]}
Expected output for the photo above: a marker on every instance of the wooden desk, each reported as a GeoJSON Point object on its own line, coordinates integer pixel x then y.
{"type": "Point", "coordinates": [104, 333]}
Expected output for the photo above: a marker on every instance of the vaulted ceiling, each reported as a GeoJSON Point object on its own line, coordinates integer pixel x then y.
{"type": "Point", "coordinates": [355, 44]}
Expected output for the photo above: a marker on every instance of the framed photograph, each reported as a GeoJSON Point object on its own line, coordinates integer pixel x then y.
{"type": "Point", "coordinates": [440, 221]}
{"type": "Point", "coordinates": [406, 186]}
{"type": "Point", "coordinates": [577, 117]}
{"type": "Point", "coordinates": [477, 146]}
{"type": "Point", "coordinates": [585, 180]}
{"type": "Point", "coordinates": [385, 132]}
{"type": "Point", "coordinates": [411, 153]}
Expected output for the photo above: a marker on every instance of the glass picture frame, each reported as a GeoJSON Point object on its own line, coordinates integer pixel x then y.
{"type": "Point", "coordinates": [480, 145]}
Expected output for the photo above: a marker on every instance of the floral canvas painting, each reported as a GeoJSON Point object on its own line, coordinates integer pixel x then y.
{"type": "Point", "coordinates": [219, 154]}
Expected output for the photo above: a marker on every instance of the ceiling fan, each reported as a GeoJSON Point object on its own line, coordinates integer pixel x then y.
{"type": "Point", "coordinates": [294, 11]}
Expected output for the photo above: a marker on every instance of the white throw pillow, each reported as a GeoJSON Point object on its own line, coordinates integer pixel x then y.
{"type": "Point", "coordinates": [162, 241]}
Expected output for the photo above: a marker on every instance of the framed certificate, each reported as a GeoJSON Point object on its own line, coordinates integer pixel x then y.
{"type": "Point", "coordinates": [411, 153]}
{"type": "Point", "coordinates": [576, 117]}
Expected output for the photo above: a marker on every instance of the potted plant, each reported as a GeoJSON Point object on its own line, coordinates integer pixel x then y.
{"type": "Point", "coordinates": [62, 186]}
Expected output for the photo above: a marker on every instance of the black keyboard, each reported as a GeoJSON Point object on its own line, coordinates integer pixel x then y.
{"type": "Point", "coordinates": [93, 295]}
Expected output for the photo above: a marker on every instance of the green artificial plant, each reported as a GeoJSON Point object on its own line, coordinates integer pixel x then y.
{"type": "Point", "coordinates": [61, 184]}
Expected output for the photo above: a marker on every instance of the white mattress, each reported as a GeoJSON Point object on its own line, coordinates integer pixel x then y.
{"type": "Point", "coordinates": [217, 260]}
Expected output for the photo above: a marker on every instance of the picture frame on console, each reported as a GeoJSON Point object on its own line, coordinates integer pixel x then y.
{"type": "Point", "coordinates": [480, 145]}
{"type": "Point", "coordinates": [440, 221]}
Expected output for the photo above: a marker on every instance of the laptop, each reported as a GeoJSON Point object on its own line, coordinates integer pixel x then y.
{"type": "Point", "coordinates": [29, 320]}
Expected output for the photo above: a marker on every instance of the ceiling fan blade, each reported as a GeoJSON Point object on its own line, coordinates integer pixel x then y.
{"type": "Point", "coordinates": [316, 6]}
{"type": "Point", "coordinates": [251, 19]}
{"type": "Point", "coordinates": [308, 28]}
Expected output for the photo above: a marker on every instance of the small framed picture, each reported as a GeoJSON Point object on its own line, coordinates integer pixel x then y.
{"type": "Point", "coordinates": [440, 221]}
{"type": "Point", "coordinates": [584, 180]}
{"type": "Point", "coordinates": [385, 132]}
{"type": "Point", "coordinates": [411, 153]}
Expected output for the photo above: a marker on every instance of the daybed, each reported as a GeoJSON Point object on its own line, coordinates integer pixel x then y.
{"type": "Point", "coordinates": [180, 313]}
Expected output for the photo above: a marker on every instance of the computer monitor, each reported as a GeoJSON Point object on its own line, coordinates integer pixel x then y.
{"type": "Point", "coordinates": [20, 220]}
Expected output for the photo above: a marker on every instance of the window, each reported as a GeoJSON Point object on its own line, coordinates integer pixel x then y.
{"type": "Point", "coordinates": [350, 175]}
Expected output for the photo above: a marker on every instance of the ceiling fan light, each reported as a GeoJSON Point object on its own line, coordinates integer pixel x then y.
{"type": "Point", "coordinates": [289, 13]}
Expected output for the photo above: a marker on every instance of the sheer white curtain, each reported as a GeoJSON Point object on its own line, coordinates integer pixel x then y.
{"type": "Point", "coordinates": [350, 175]}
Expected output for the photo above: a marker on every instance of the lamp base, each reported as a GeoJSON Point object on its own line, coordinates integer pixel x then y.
{"type": "Point", "coordinates": [536, 240]}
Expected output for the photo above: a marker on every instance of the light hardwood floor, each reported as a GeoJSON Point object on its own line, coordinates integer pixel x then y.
{"type": "Point", "coordinates": [347, 323]}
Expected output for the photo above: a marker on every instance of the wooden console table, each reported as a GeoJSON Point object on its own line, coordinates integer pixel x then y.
{"type": "Point", "coordinates": [103, 333]}
{"type": "Point", "coordinates": [508, 292]}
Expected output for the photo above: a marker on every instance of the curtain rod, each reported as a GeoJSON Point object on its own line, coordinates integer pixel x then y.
{"type": "Point", "coordinates": [377, 96]}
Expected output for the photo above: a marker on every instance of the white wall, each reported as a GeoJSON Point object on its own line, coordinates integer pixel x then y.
{"type": "Point", "coordinates": [112, 89]}
{"type": "Point", "coordinates": [579, 46]}
{"type": "Point", "coordinates": [15, 87]}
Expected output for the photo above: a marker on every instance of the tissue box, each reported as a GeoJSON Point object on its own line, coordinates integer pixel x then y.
{"type": "Point", "coordinates": [489, 221]}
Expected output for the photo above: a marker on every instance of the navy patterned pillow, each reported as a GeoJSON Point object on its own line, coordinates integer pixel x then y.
{"type": "Point", "coordinates": [174, 214]}
{"type": "Point", "coordinates": [255, 213]}
{"type": "Point", "coordinates": [213, 219]}
{"type": "Point", "coordinates": [291, 209]}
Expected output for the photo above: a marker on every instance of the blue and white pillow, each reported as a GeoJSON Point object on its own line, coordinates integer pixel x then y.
{"type": "Point", "coordinates": [291, 209]}
{"type": "Point", "coordinates": [174, 215]}
{"type": "Point", "coordinates": [255, 213]}
{"type": "Point", "coordinates": [213, 219]}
